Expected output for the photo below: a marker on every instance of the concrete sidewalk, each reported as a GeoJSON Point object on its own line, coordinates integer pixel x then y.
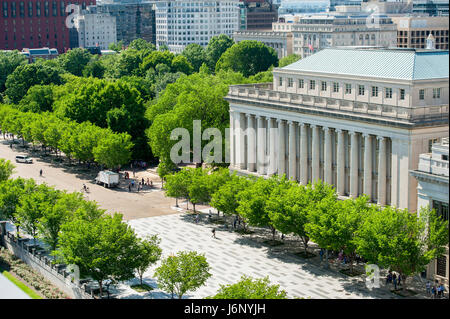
{"type": "Point", "coordinates": [9, 290]}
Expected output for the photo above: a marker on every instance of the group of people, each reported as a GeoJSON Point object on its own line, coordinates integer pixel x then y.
{"type": "Point", "coordinates": [435, 291]}
{"type": "Point", "coordinates": [393, 278]}
{"type": "Point", "coordinates": [140, 184]}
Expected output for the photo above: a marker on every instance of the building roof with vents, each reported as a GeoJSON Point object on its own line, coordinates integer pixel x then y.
{"type": "Point", "coordinates": [401, 64]}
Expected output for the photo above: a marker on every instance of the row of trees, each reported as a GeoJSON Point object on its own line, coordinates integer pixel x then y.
{"type": "Point", "coordinates": [78, 232]}
{"type": "Point", "coordinates": [84, 142]}
{"type": "Point", "coordinates": [389, 237]}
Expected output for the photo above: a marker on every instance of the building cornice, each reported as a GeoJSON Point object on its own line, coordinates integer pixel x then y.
{"type": "Point", "coordinates": [432, 178]}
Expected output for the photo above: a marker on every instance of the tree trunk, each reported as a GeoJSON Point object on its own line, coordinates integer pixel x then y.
{"type": "Point", "coordinates": [327, 265]}
{"type": "Point", "coordinates": [176, 202]}
{"type": "Point", "coordinates": [140, 277]}
{"type": "Point", "coordinates": [273, 233]}
{"type": "Point", "coordinates": [194, 206]}
{"type": "Point", "coordinates": [101, 288]}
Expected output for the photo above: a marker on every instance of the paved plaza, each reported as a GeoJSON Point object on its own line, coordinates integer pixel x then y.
{"type": "Point", "coordinates": [232, 255]}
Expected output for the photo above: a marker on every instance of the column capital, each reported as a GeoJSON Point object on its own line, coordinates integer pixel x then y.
{"type": "Point", "coordinates": [365, 135]}
{"type": "Point", "coordinates": [259, 117]}
{"type": "Point", "coordinates": [352, 133]}
{"type": "Point", "coordinates": [380, 138]}
{"type": "Point", "coordinates": [248, 115]}
{"type": "Point", "coordinates": [326, 128]}
{"type": "Point", "coordinates": [313, 126]}
{"type": "Point", "coordinates": [302, 124]}
{"type": "Point", "coordinates": [338, 130]}
{"type": "Point", "coordinates": [280, 121]}
{"type": "Point", "coordinates": [291, 122]}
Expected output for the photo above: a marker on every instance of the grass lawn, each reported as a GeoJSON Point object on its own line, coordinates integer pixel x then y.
{"type": "Point", "coordinates": [142, 288]}
{"type": "Point", "coordinates": [30, 292]}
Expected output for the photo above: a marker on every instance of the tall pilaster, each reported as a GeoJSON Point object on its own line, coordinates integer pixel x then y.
{"type": "Point", "coordinates": [271, 130]}
{"type": "Point", "coordinates": [281, 147]}
{"type": "Point", "coordinates": [240, 140]}
{"type": "Point", "coordinates": [328, 157]}
{"type": "Point", "coordinates": [368, 165]}
{"type": "Point", "coordinates": [382, 171]}
{"type": "Point", "coordinates": [261, 146]}
{"type": "Point", "coordinates": [232, 150]}
{"type": "Point", "coordinates": [292, 151]}
{"type": "Point", "coordinates": [340, 162]}
{"type": "Point", "coordinates": [315, 153]}
{"type": "Point", "coordinates": [354, 165]}
{"type": "Point", "coordinates": [303, 154]}
{"type": "Point", "coordinates": [251, 144]}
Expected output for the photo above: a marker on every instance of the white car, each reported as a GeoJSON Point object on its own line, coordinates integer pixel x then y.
{"type": "Point", "coordinates": [24, 159]}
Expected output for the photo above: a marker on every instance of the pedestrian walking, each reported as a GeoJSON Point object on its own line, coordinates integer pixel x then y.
{"type": "Point", "coordinates": [197, 218]}
{"type": "Point", "coordinates": [321, 254]}
{"type": "Point", "coordinates": [394, 279]}
{"type": "Point", "coordinates": [10, 145]}
{"type": "Point", "coordinates": [129, 187]}
{"type": "Point", "coordinates": [442, 290]}
{"type": "Point", "coordinates": [389, 278]}
{"type": "Point", "coordinates": [428, 287]}
{"type": "Point", "coordinates": [40, 172]}
{"type": "Point", "coordinates": [433, 292]}
{"type": "Point", "coordinates": [143, 181]}
{"type": "Point", "coordinates": [214, 233]}
{"type": "Point", "coordinates": [235, 222]}
{"type": "Point", "coordinates": [399, 279]}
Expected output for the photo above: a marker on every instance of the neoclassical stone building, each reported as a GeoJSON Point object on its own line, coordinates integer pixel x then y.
{"type": "Point", "coordinates": [354, 118]}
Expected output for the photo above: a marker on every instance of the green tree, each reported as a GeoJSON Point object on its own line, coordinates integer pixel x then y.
{"type": "Point", "coordinates": [248, 57]}
{"type": "Point", "coordinates": [184, 272]}
{"type": "Point", "coordinates": [198, 187]}
{"type": "Point", "coordinates": [9, 61]}
{"type": "Point", "coordinates": [103, 248]}
{"type": "Point", "coordinates": [6, 169]}
{"type": "Point", "coordinates": [38, 99]}
{"type": "Point", "coordinates": [149, 253]}
{"type": "Point", "coordinates": [195, 54]}
{"type": "Point", "coordinates": [155, 58]}
{"type": "Point", "coordinates": [75, 60]}
{"type": "Point", "coordinates": [94, 68]}
{"type": "Point", "coordinates": [25, 76]}
{"type": "Point", "coordinates": [403, 242]}
{"type": "Point", "coordinates": [181, 64]}
{"type": "Point", "coordinates": [289, 60]}
{"type": "Point", "coordinates": [37, 200]}
{"type": "Point", "coordinates": [55, 216]}
{"type": "Point", "coordinates": [116, 46]}
{"type": "Point", "coordinates": [177, 184]}
{"type": "Point", "coordinates": [113, 150]}
{"type": "Point", "coordinates": [216, 47]}
{"type": "Point", "coordinates": [11, 191]}
{"type": "Point", "coordinates": [225, 199]}
{"type": "Point", "coordinates": [141, 44]}
{"type": "Point", "coordinates": [288, 211]}
{"type": "Point", "coordinates": [249, 288]}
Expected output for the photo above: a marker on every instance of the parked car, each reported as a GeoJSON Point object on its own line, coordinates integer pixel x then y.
{"type": "Point", "coordinates": [24, 159]}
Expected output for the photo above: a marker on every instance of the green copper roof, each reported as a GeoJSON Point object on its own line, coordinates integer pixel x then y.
{"type": "Point", "coordinates": [379, 63]}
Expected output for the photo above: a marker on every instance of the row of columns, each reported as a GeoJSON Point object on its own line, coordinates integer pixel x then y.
{"type": "Point", "coordinates": [256, 160]}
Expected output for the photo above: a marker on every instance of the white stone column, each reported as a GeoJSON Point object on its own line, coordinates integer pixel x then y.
{"type": "Point", "coordinates": [232, 151]}
{"type": "Point", "coordinates": [292, 151]}
{"type": "Point", "coordinates": [281, 147]}
{"type": "Point", "coordinates": [368, 165]}
{"type": "Point", "coordinates": [240, 140]}
{"type": "Point", "coordinates": [315, 153]}
{"type": "Point", "coordinates": [340, 163]}
{"type": "Point", "coordinates": [261, 145]}
{"type": "Point", "coordinates": [251, 144]}
{"type": "Point", "coordinates": [382, 171]}
{"type": "Point", "coordinates": [354, 165]}
{"type": "Point", "coordinates": [303, 154]}
{"type": "Point", "coordinates": [328, 157]}
{"type": "Point", "coordinates": [271, 147]}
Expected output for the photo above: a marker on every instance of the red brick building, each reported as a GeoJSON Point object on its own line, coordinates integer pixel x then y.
{"type": "Point", "coordinates": [36, 23]}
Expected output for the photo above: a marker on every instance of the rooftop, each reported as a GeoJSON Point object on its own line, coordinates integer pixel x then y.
{"type": "Point", "coordinates": [402, 64]}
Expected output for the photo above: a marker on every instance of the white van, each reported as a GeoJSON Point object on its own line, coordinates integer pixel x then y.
{"type": "Point", "coordinates": [24, 159]}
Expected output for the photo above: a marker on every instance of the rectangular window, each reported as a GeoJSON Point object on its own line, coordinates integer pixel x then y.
{"type": "Point", "coordinates": [348, 88]}
{"type": "Point", "coordinates": [441, 266]}
{"type": "Point", "coordinates": [441, 209]}
{"type": "Point", "coordinates": [402, 94]}
{"type": "Point", "coordinates": [421, 94]}
{"type": "Point", "coordinates": [335, 87]}
{"type": "Point", "coordinates": [374, 91]}
{"type": "Point", "coordinates": [324, 86]}
{"type": "Point", "coordinates": [437, 93]}
{"type": "Point", "coordinates": [290, 82]}
{"type": "Point", "coordinates": [388, 92]}
{"type": "Point", "coordinates": [301, 84]}
{"type": "Point", "coordinates": [280, 83]}
{"type": "Point", "coordinates": [312, 84]}
{"type": "Point", "coordinates": [360, 89]}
